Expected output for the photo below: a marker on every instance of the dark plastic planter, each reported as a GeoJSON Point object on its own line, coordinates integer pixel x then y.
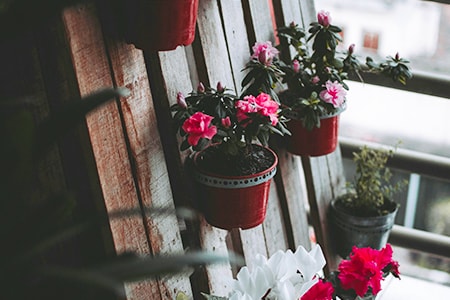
{"type": "Point", "coordinates": [348, 230]}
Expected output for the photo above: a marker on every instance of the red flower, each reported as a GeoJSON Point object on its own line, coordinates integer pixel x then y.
{"type": "Point", "coordinates": [197, 127]}
{"type": "Point", "coordinates": [322, 290]}
{"type": "Point", "coordinates": [365, 269]}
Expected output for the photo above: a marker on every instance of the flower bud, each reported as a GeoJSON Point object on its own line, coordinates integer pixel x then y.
{"type": "Point", "coordinates": [265, 57]}
{"type": "Point", "coordinates": [220, 87]}
{"type": "Point", "coordinates": [324, 19]}
{"type": "Point", "coordinates": [351, 49]}
{"type": "Point", "coordinates": [200, 88]}
{"type": "Point", "coordinates": [226, 122]}
{"type": "Point", "coordinates": [181, 100]}
{"type": "Point", "coordinates": [296, 66]}
{"type": "Point", "coordinates": [397, 56]}
{"type": "Point", "coordinates": [315, 80]}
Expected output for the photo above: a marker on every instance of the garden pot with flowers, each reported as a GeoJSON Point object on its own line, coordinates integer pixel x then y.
{"type": "Point", "coordinates": [315, 93]}
{"type": "Point", "coordinates": [233, 170]}
{"type": "Point", "coordinates": [160, 25]}
{"type": "Point", "coordinates": [365, 214]}
{"type": "Point", "coordinates": [291, 275]}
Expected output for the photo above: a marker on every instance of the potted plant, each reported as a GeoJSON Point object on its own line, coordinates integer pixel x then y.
{"type": "Point", "coordinates": [365, 214]}
{"type": "Point", "coordinates": [294, 275]}
{"type": "Point", "coordinates": [233, 171]}
{"type": "Point", "coordinates": [159, 25]}
{"type": "Point", "coordinates": [316, 91]}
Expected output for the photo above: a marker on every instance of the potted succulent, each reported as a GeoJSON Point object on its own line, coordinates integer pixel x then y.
{"type": "Point", "coordinates": [316, 92]}
{"type": "Point", "coordinates": [233, 171]}
{"type": "Point", "coordinates": [365, 214]}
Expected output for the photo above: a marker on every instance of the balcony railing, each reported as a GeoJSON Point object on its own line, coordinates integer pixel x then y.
{"type": "Point", "coordinates": [419, 163]}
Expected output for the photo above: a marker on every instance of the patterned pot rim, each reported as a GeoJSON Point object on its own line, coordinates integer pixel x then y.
{"type": "Point", "coordinates": [236, 182]}
{"type": "Point", "coordinates": [295, 115]}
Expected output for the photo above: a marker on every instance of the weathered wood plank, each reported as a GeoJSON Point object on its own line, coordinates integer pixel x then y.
{"type": "Point", "coordinates": [108, 142]}
{"type": "Point", "coordinates": [274, 224]}
{"type": "Point", "coordinates": [308, 12]}
{"type": "Point", "coordinates": [325, 180]}
{"type": "Point", "coordinates": [148, 160]}
{"type": "Point", "coordinates": [258, 16]}
{"type": "Point", "coordinates": [293, 195]}
{"type": "Point", "coordinates": [236, 39]}
{"type": "Point", "coordinates": [214, 240]}
{"type": "Point", "coordinates": [213, 52]}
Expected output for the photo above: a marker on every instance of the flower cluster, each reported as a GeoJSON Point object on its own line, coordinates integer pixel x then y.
{"type": "Point", "coordinates": [288, 276]}
{"type": "Point", "coordinates": [285, 275]}
{"type": "Point", "coordinates": [210, 115]}
{"type": "Point", "coordinates": [314, 79]}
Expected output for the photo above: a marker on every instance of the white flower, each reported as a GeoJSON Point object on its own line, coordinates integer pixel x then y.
{"type": "Point", "coordinates": [284, 276]}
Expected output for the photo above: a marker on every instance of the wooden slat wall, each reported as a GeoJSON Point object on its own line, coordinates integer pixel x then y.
{"type": "Point", "coordinates": [136, 151]}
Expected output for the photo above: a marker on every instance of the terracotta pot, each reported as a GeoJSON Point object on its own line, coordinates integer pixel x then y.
{"type": "Point", "coordinates": [348, 230]}
{"type": "Point", "coordinates": [234, 201]}
{"type": "Point", "coordinates": [315, 142]}
{"type": "Point", "coordinates": [160, 24]}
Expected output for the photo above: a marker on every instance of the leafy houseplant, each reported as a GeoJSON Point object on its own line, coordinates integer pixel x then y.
{"type": "Point", "coordinates": [294, 275]}
{"type": "Point", "coordinates": [315, 79]}
{"type": "Point", "coordinates": [364, 215]}
{"type": "Point", "coordinates": [229, 164]}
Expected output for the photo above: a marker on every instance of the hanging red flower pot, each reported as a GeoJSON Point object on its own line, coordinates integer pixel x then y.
{"type": "Point", "coordinates": [234, 201]}
{"type": "Point", "coordinates": [315, 142]}
{"type": "Point", "coordinates": [160, 24]}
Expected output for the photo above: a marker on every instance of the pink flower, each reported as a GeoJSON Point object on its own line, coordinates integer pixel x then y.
{"type": "Point", "coordinates": [200, 88]}
{"type": "Point", "coordinates": [267, 107]}
{"type": "Point", "coordinates": [245, 107]}
{"type": "Point", "coordinates": [220, 87]}
{"type": "Point", "coordinates": [315, 80]}
{"type": "Point", "coordinates": [197, 127]}
{"type": "Point", "coordinates": [226, 122]}
{"type": "Point", "coordinates": [351, 49]}
{"type": "Point", "coordinates": [365, 269]}
{"type": "Point", "coordinates": [296, 66]}
{"type": "Point", "coordinates": [324, 19]}
{"type": "Point", "coordinates": [264, 52]}
{"type": "Point", "coordinates": [322, 290]}
{"type": "Point", "coordinates": [181, 100]}
{"type": "Point", "coordinates": [334, 93]}
{"type": "Point", "coordinates": [262, 104]}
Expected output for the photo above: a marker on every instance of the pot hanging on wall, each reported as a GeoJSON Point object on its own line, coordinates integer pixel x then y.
{"type": "Point", "coordinates": [348, 230]}
{"type": "Point", "coordinates": [317, 141]}
{"type": "Point", "coordinates": [160, 24]}
{"type": "Point", "coordinates": [229, 202]}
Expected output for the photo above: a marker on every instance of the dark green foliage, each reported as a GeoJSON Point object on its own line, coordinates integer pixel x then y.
{"type": "Point", "coordinates": [372, 190]}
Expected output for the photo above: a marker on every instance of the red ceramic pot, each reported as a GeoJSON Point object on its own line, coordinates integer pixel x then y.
{"type": "Point", "coordinates": [160, 24]}
{"type": "Point", "coordinates": [235, 202]}
{"type": "Point", "coordinates": [315, 142]}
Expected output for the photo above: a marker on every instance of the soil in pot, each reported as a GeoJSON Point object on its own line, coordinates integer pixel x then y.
{"type": "Point", "coordinates": [343, 204]}
{"type": "Point", "coordinates": [251, 160]}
